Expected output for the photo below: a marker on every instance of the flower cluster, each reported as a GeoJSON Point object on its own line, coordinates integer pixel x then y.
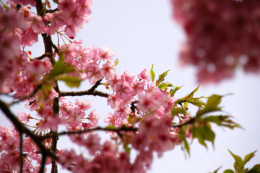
{"type": "Point", "coordinates": [221, 35]}
{"type": "Point", "coordinates": [141, 117]}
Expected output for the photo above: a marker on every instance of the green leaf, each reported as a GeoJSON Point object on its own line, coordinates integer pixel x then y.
{"type": "Point", "coordinates": [216, 171]}
{"type": "Point", "coordinates": [110, 127]}
{"type": "Point", "coordinates": [238, 165]}
{"type": "Point", "coordinates": [186, 104]}
{"type": "Point", "coordinates": [211, 105]}
{"type": "Point", "coordinates": [70, 80]}
{"type": "Point", "coordinates": [222, 120]}
{"type": "Point", "coordinates": [255, 169]}
{"type": "Point", "coordinates": [203, 134]}
{"type": "Point", "coordinates": [60, 68]}
{"type": "Point", "coordinates": [127, 149]}
{"type": "Point", "coordinates": [161, 77]}
{"type": "Point", "coordinates": [186, 146]}
{"type": "Point", "coordinates": [173, 91]}
{"type": "Point", "coordinates": [152, 74]}
{"type": "Point", "coordinates": [116, 62]}
{"type": "Point", "coordinates": [5, 6]}
{"type": "Point", "coordinates": [192, 93]}
{"type": "Point", "coordinates": [177, 110]}
{"type": "Point", "coordinates": [248, 157]}
{"type": "Point", "coordinates": [165, 85]}
{"type": "Point", "coordinates": [228, 171]}
{"type": "Point", "coordinates": [195, 101]}
{"type": "Point", "coordinates": [214, 101]}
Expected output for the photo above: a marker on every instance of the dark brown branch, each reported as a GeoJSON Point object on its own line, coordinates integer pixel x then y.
{"type": "Point", "coordinates": [52, 10]}
{"type": "Point", "coordinates": [21, 152]}
{"type": "Point", "coordinates": [82, 93]}
{"type": "Point", "coordinates": [43, 163]}
{"type": "Point", "coordinates": [126, 129]}
{"type": "Point", "coordinates": [92, 91]}
{"type": "Point", "coordinates": [191, 121]}
{"type": "Point", "coordinates": [94, 87]}
{"type": "Point", "coordinates": [22, 129]}
{"type": "Point", "coordinates": [55, 47]}
{"type": "Point", "coordinates": [48, 44]}
{"type": "Point", "coordinates": [40, 57]}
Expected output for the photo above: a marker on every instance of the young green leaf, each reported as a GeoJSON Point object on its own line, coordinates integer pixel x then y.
{"type": "Point", "coordinates": [228, 171]}
{"type": "Point", "coordinates": [222, 120]}
{"type": "Point", "coordinates": [192, 93]}
{"type": "Point", "coordinates": [238, 165]}
{"type": "Point", "coordinates": [216, 171]}
{"type": "Point", "coordinates": [211, 105]}
{"type": "Point", "coordinates": [255, 169]}
{"type": "Point", "coordinates": [5, 6]}
{"type": "Point", "coordinates": [203, 134]}
{"type": "Point", "coordinates": [248, 157]}
{"type": "Point", "coordinates": [165, 85]}
{"type": "Point", "coordinates": [70, 80]}
{"type": "Point", "coordinates": [177, 110]}
{"type": "Point", "coordinates": [173, 91]}
{"type": "Point", "coordinates": [152, 74]}
{"type": "Point", "coordinates": [161, 77]}
{"type": "Point", "coordinates": [116, 62]}
{"type": "Point", "coordinates": [127, 149]}
{"type": "Point", "coordinates": [60, 68]}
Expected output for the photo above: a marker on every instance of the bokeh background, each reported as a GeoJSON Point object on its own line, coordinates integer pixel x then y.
{"type": "Point", "coordinates": [142, 33]}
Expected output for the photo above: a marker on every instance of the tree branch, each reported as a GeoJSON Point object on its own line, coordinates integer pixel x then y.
{"type": "Point", "coordinates": [52, 10]}
{"type": "Point", "coordinates": [91, 91]}
{"type": "Point", "coordinates": [22, 129]}
{"type": "Point", "coordinates": [192, 120]}
{"type": "Point", "coordinates": [43, 163]}
{"type": "Point", "coordinates": [21, 152]}
{"type": "Point", "coordinates": [123, 128]}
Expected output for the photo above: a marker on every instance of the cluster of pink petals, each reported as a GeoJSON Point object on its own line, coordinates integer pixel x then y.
{"type": "Point", "coordinates": [221, 35]}
{"type": "Point", "coordinates": [131, 96]}
{"type": "Point", "coordinates": [10, 155]}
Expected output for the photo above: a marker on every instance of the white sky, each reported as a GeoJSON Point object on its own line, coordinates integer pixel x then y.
{"type": "Point", "coordinates": [142, 33]}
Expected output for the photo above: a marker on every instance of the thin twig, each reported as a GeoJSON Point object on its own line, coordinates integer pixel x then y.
{"type": "Point", "coordinates": [91, 91]}
{"type": "Point", "coordinates": [40, 57]}
{"type": "Point", "coordinates": [90, 130]}
{"type": "Point", "coordinates": [192, 120]}
{"type": "Point", "coordinates": [82, 93]}
{"type": "Point", "coordinates": [43, 163]}
{"type": "Point", "coordinates": [21, 152]}
{"type": "Point", "coordinates": [52, 11]}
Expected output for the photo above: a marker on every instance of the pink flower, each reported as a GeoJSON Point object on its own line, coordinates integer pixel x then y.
{"type": "Point", "coordinates": [94, 73]}
{"type": "Point", "coordinates": [144, 76]}
{"type": "Point", "coordinates": [147, 102]}
{"type": "Point", "coordinates": [111, 119]}
{"type": "Point", "coordinates": [76, 115]}
{"type": "Point", "coordinates": [123, 90]}
{"type": "Point", "coordinates": [93, 117]}
{"type": "Point", "coordinates": [128, 77]}
{"type": "Point", "coordinates": [66, 158]}
{"type": "Point", "coordinates": [106, 54]}
{"type": "Point", "coordinates": [138, 86]}
{"type": "Point", "coordinates": [24, 117]}
{"type": "Point", "coordinates": [84, 105]}
{"type": "Point", "coordinates": [92, 143]}
{"type": "Point", "coordinates": [122, 111]}
{"type": "Point", "coordinates": [36, 23]}
{"type": "Point", "coordinates": [66, 5]}
{"type": "Point", "coordinates": [52, 123]}
{"type": "Point", "coordinates": [113, 101]}
{"type": "Point", "coordinates": [116, 79]}
{"type": "Point", "coordinates": [108, 70]}
{"type": "Point", "coordinates": [84, 6]}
